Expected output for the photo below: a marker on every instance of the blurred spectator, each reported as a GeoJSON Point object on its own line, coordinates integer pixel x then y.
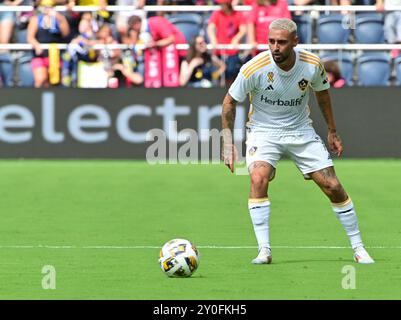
{"type": "Point", "coordinates": [23, 76]}
{"type": "Point", "coordinates": [157, 32]}
{"type": "Point", "coordinates": [242, 2]}
{"type": "Point", "coordinates": [47, 26]}
{"type": "Point", "coordinates": [200, 69]}
{"type": "Point", "coordinates": [7, 20]}
{"type": "Point", "coordinates": [102, 15]}
{"type": "Point", "coordinates": [392, 23]}
{"type": "Point", "coordinates": [154, 3]}
{"type": "Point", "coordinates": [262, 14]}
{"type": "Point", "coordinates": [109, 57]}
{"type": "Point", "coordinates": [99, 17]}
{"type": "Point", "coordinates": [334, 74]}
{"type": "Point", "coordinates": [128, 70]}
{"type": "Point", "coordinates": [122, 16]}
{"type": "Point", "coordinates": [22, 18]}
{"type": "Point", "coordinates": [227, 26]}
{"type": "Point", "coordinates": [136, 57]}
{"type": "Point", "coordinates": [79, 49]}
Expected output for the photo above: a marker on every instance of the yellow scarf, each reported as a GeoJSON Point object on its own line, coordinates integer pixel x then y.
{"type": "Point", "coordinates": [54, 64]}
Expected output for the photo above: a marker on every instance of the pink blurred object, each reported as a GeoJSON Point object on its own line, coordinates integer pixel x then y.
{"type": "Point", "coordinates": [171, 66]}
{"type": "Point", "coordinates": [395, 53]}
{"type": "Point", "coordinates": [153, 66]}
{"type": "Point", "coordinates": [339, 83]}
{"type": "Point", "coordinates": [113, 83]}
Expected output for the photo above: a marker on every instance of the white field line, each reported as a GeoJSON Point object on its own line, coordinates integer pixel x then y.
{"type": "Point", "coordinates": [200, 247]}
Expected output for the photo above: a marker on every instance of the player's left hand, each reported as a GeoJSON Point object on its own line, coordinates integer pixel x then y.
{"type": "Point", "coordinates": [335, 143]}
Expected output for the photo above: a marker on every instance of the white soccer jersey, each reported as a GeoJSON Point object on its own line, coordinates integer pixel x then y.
{"type": "Point", "coordinates": [279, 99]}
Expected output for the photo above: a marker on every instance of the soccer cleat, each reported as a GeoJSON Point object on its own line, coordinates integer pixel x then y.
{"type": "Point", "coordinates": [362, 256]}
{"type": "Point", "coordinates": [264, 256]}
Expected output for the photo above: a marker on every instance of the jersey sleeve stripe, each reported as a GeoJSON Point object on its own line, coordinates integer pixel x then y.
{"type": "Point", "coordinates": [309, 61]}
{"type": "Point", "coordinates": [317, 64]}
{"type": "Point", "coordinates": [307, 55]}
{"type": "Point", "coordinates": [248, 70]}
{"type": "Point", "coordinates": [257, 67]}
{"type": "Point", "coordinates": [310, 58]}
{"type": "Point", "coordinates": [255, 62]}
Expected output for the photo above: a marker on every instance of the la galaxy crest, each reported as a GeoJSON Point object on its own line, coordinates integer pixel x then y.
{"type": "Point", "coordinates": [303, 84]}
{"type": "Point", "coordinates": [252, 150]}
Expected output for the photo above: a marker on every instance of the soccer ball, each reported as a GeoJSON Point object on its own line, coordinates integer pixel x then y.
{"type": "Point", "coordinates": [179, 258]}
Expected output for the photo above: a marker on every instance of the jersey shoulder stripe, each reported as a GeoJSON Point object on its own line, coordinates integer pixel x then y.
{"type": "Point", "coordinates": [263, 63]}
{"type": "Point", "coordinates": [309, 55]}
{"type": "Point", "coordinates": [315, 63]}
{"type": "Point", "coordinates": [309, 61]}
{"type": "Point", "coordinates": [248, 67]}
{"type": "Point", "coordinates": [255, 60]}
{"type": "Point", "coordinates": [304, 59]}
{"type": "Point", "coordinates": [253, 67]}
{"type": "Point", "coordinates": [310, 58]}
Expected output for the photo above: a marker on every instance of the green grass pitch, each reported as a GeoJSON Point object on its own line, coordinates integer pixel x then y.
{"type": "Point", "coordinates": [89, 220]}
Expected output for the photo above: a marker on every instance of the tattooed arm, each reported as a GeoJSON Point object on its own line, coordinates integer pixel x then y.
{"type": "Point", "coordinates": [228, 113]}
{"type": "Point", "coordinates": [228, 153]}
{"type": "Point", "coordinates": [333, 139]}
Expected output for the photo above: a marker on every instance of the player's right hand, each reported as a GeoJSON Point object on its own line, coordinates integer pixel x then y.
{"type": "Point", "coordinates": [229, 154]}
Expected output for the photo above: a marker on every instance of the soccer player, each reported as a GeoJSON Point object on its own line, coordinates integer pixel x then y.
{"type": "Point", "coordinates": [278, 82]}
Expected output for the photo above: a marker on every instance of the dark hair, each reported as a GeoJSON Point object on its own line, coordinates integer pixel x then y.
{"type": "Point", "coordinates": [133, 20]}
{"type": "Point", "coordinates": [192, 52]}
{"type": "Point", "coordinates": [332, 67]}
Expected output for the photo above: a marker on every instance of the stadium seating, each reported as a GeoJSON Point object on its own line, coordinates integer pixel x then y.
{"type": "Point", "coordinates": [330, 29]}
{"type": "Point", "coordinates": [205, 22]}
{"type": "Point", "coordinates": [397, 65]}
{"type": "Point", "coordinates": [190, 24]}
{"type": "Point", "coordinates": [23, 62]}
{"type": "Point", "coordinates": [374, 69]}
{"type": "Point", "coordinates": [24, 72]}
{"type": "Point", "coordinates": [369, 28]}
{"type": "Point", "coordinates": [304, 24]}
{"type": "Point", "coordinates": [345, 63]}
{"type": "Point", "coordinates": [6, 69]}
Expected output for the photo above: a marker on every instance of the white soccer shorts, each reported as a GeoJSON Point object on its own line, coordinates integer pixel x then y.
{"type": "Point", "coordinates": [306, 149]}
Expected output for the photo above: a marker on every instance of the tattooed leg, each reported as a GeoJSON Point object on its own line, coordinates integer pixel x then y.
{"type": "Point", "coordinates": [260, 172]}
{"type": "Point", "coordinates": [327, 180]}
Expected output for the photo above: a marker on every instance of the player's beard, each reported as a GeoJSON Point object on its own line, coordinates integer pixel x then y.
{"type": "Point", "coordinates": [280, 58]}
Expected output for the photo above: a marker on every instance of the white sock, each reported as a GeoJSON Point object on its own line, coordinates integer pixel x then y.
{"type": "Point", "coordinates": [345, 212]}
{"type": "Point", "coordinates": [259, 209]}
